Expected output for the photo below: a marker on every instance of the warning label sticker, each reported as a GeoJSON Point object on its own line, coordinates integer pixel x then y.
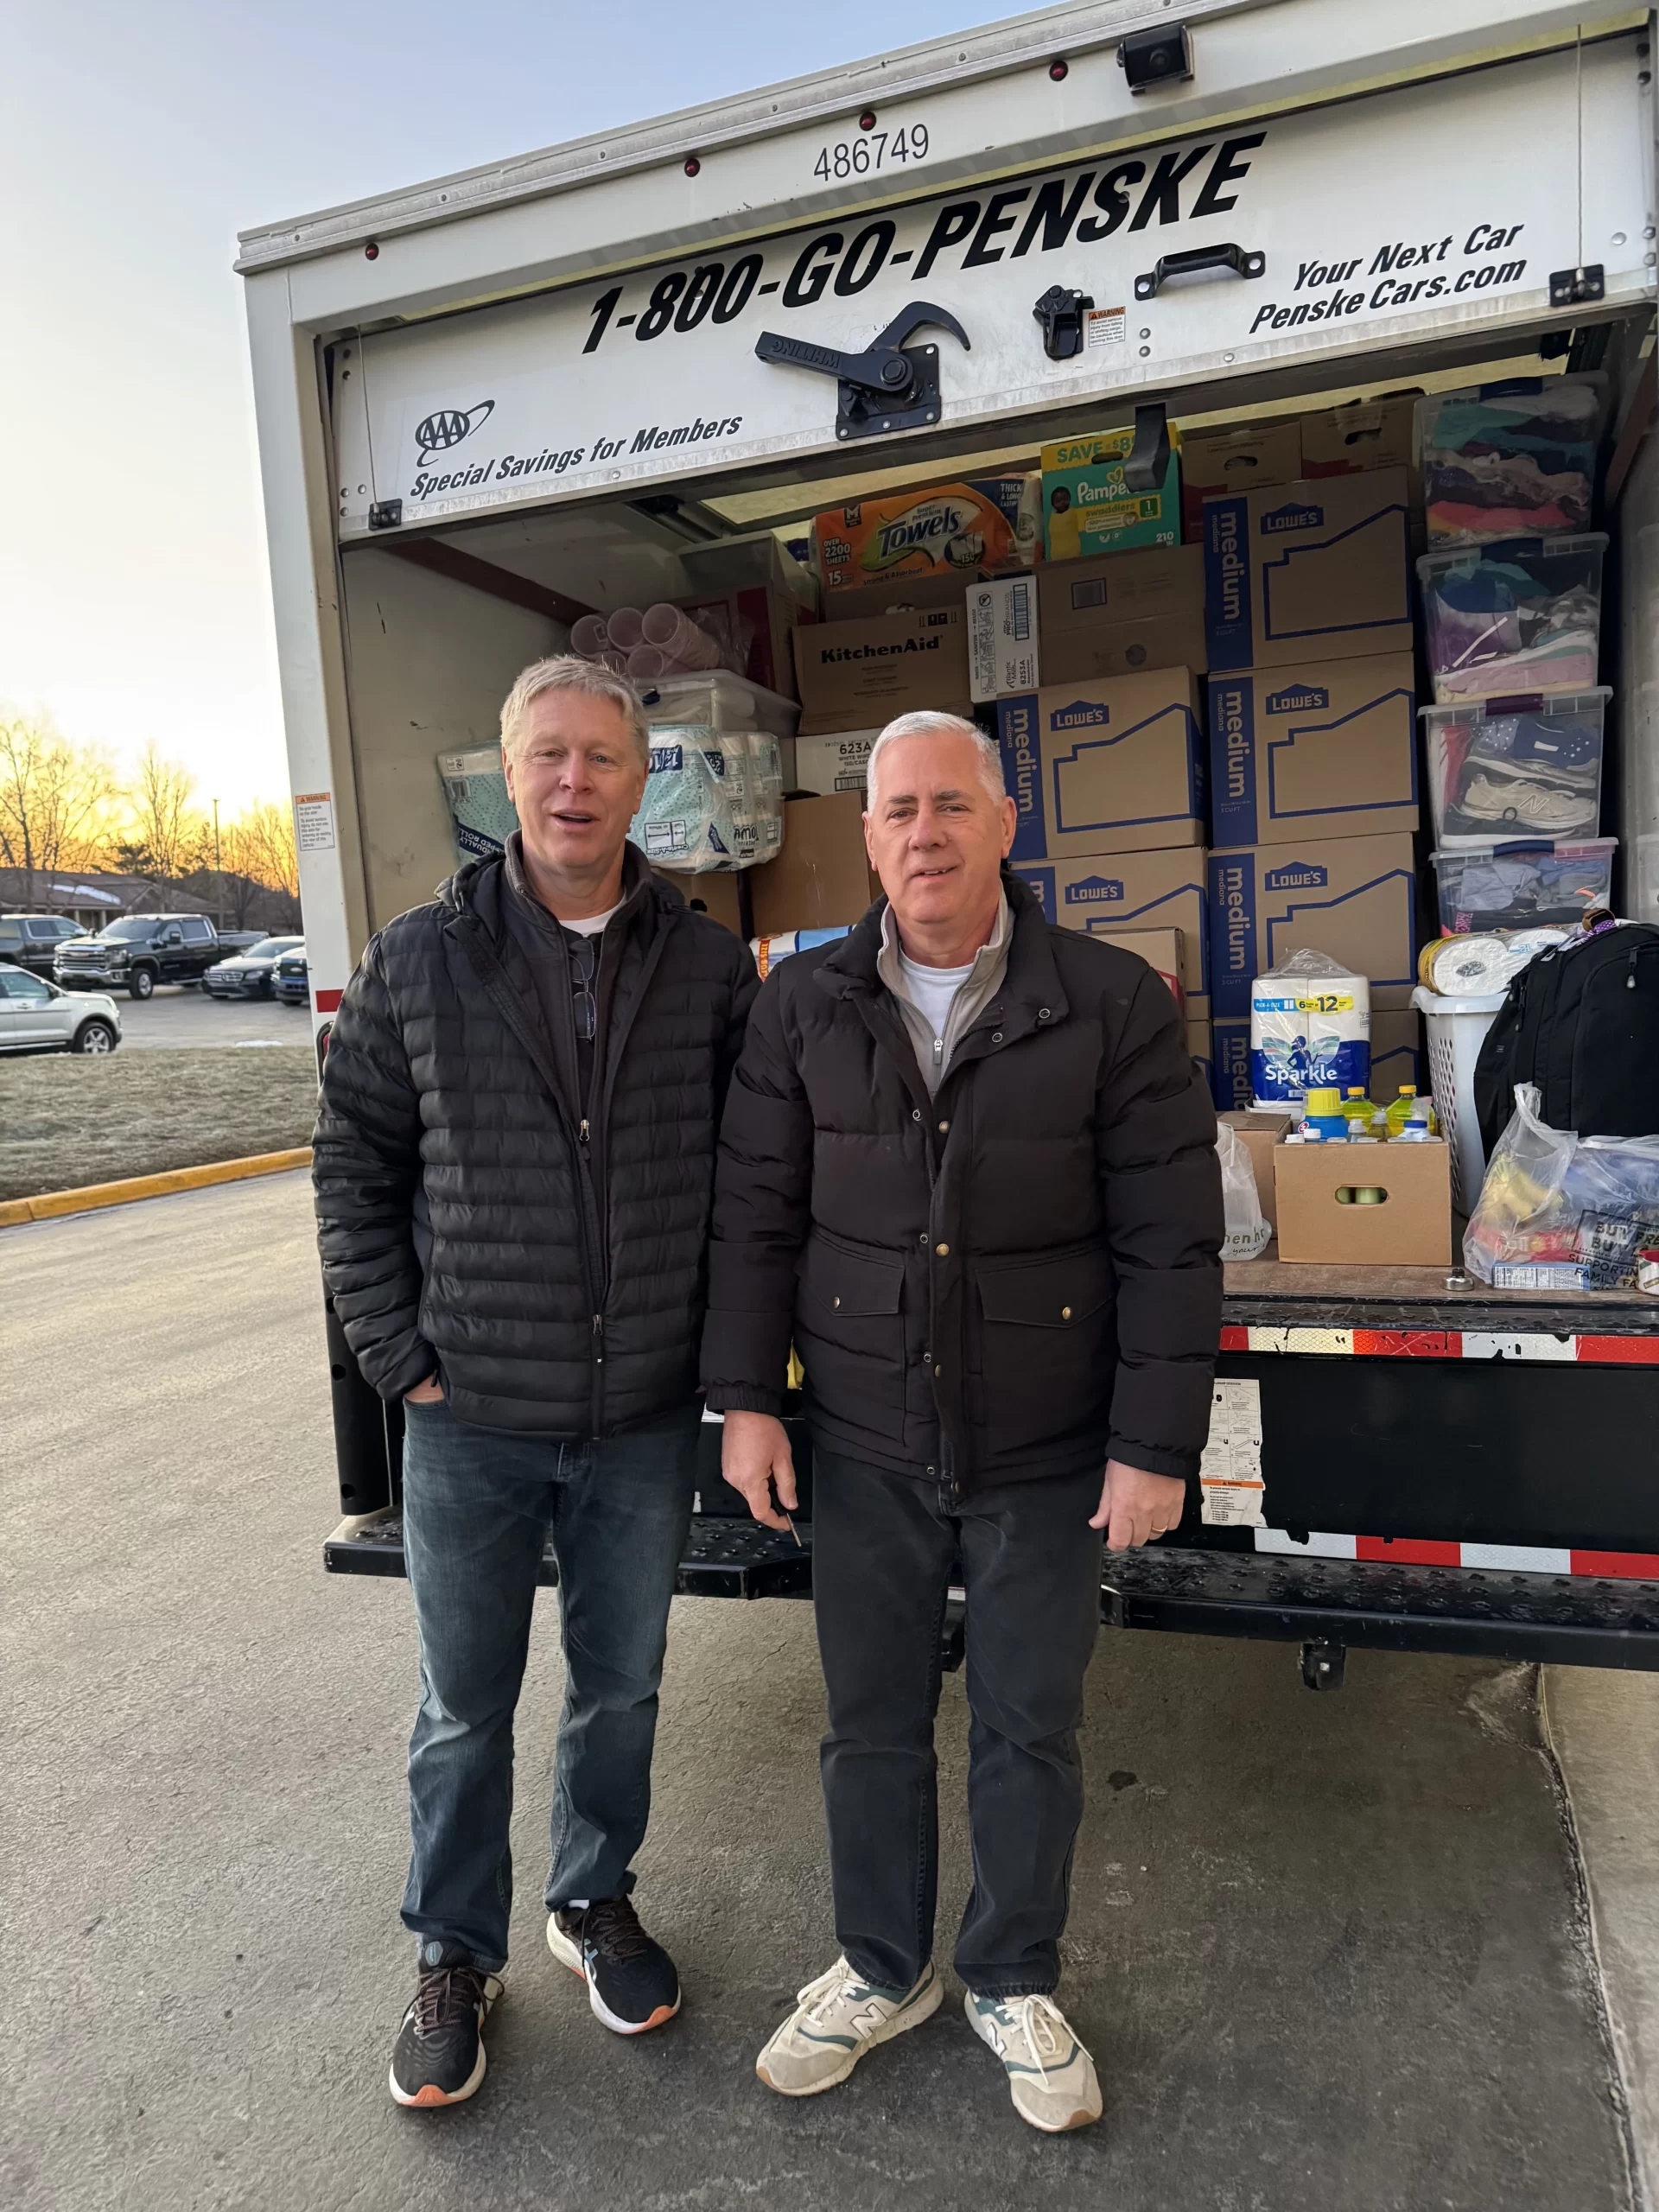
{"type": "Point", "coordinates": [1231, 1475]}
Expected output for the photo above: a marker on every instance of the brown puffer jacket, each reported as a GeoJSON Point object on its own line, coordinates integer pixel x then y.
{"type": "Point", "coordinates": [1012, 1279]}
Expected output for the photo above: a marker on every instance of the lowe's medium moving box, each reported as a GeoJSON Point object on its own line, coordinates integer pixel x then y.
{"type": "Point", "coordinates": [1162, 950]}
{"type": "Point", "coordinates": [859, 675]}
{"type": "Point", "coordinates": [1314, 569]}
{"type": "Point", "coordinates": [1116, 613]}
{"type": "Point", "coordinates": [1105, 894]}
{"type": "Point", "coordinates": [1354, 898]}
{"type": "Point", "coordinates": [1396, 1058]}
{"type": "Point", "coordinates": [1236, 457]}
{"type": "Point", "coordinates": [1366, 434]}
{"type": "Point", "coordinates": [1326, 748]}
{"type": "Point", "coordinates": [1115, 766]}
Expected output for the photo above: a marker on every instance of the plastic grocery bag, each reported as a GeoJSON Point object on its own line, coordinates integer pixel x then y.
{"type": "Point", "coordinates": [1558, 1211]}
{"type": "Point", "coordinates": [1246, 1231]}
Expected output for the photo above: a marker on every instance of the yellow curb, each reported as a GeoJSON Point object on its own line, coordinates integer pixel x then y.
{"type": "Point", "coordinates": [50, 1203]}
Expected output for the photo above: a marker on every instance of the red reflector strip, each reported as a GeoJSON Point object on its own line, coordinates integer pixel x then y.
{"type": "Point", "coordinates": [1618, 1352]}
{"type": "Point", "coordinates": [1407, 1551]}
{"type": "Point", "coordinates": [1409, 1344]}
{"type": "Point", "coordinates": [1234, 1339]}
{"type": "Point", "coordinates": [1629, 1567]}
{"type": "Point", "coordinates": [327, 1002]}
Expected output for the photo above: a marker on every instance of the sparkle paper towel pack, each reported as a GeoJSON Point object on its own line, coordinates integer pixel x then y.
{"type": "Point", "coordinates": [1310, 1025]}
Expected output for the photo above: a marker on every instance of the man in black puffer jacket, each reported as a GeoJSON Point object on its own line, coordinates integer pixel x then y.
{"type": "Point", "coordinates": [514, 1160]}
{"type": "Point", "coordinates": [968, 1166]}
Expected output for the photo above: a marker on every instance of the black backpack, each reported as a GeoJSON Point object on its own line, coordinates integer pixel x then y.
{"type": "Point", "coordinates": [1583, 1024]}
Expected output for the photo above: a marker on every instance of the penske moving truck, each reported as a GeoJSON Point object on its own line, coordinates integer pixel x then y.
{"type": "Point", "coordinates": [499, 402]}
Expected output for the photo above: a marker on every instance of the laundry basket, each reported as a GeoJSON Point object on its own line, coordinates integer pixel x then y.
{"type": "Point", "coordinates": [1456, 1029]}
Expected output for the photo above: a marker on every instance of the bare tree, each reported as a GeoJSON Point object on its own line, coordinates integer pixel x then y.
{"type": "Point", "coordinates": [54, 796]}
{"type": "Point", "coordinates": [166, 835]}
{"type": "Point", "coordinates": [259, 844]}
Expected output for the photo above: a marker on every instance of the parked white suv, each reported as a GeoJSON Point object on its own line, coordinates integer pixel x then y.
{"type": "Point", "coordinates": [35, 1016]}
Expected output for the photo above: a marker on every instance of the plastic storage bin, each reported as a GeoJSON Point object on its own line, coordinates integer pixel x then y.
{"type": "Point", "coordinates": [1516, 767]}
{"type": "Point", "coordinates": [1457, 1029]}
{"type": "Point", "coordinates": [1509, 460]}
{"type": "Point", "coordinates": [1521, 616]}
{"type": "Point", "coordinates": [718, 700]}
{"type": "Point", "coordinates": [1517, 883]}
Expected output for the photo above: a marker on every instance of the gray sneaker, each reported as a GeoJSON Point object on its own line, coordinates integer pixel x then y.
{"type": "Point", "coordinates": [1051, 2076]}
{"type": "Point", "coordinates": [837, 2019]}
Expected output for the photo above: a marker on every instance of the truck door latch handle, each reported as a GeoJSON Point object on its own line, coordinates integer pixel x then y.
{"type": "Point", "coordinates": [889, 386]}
{"type": "Point", "coordinates": [1195, 262]}
{"type": "Point", "coordinates": [1147, 459]}
{"type": "Point", "coordinates": [1061, 313]}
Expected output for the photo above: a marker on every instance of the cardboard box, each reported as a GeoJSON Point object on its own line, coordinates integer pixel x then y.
{"type": "Point", "coordinates": [1103, 894]}
{"type": "Point", "coordinates": [1325, 748]}
{"type": "Point", "coordinates": [1236, 457]}
{"type": "Point", "coordinates": [1396, 1058]}
{"type": "Point", "coordinates": [719, 896]}
{"type": "Point", "coordinates": [899, 595]}
{"type": "Point", "coordinates": [1259, 1134]}
{"type": "Point", "coordinates": [822, 764]}
{"type": "Point", "coordinates": [1411, 1228]}
{"type": "Point", "coordinates": [1310, 570]}
{"type": "Point", "coordinates": [956, 529]}
{"type": "Point", "coordinates": [1365, 434]}
{"type": "Point", "coordinates": [1004, 653]}
{"type": "Point", "coordinates": [1115, 765]}
{"type": "Point", "coordinates": [859, 674]}
{"type": "Point", "coordinates": [1117, 614]}
{"type": "Point", "coordinates": [823, 875]}
{"type": "Point", "coordinates": [1088, 508]}
{"type": "Point", "coordinates": [1160, 948]}
{"type": "Point", "coordinates": [1199, 1045]}
{"type": "Point", "coordinates": [1352, 898]}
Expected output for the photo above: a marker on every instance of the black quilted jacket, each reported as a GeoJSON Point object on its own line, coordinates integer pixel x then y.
{"type": "Point", "coordinates": [1025, 1265]}
{"type": "Point", "coordinates": [556, 1283]}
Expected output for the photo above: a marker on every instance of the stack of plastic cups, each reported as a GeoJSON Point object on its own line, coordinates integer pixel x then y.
{"type": "Point", "coordinates": [681, 639]}
{"type": "Point", "coordinates": [624, 628]}
{"type": "Point", "coordinates": [590, 637]}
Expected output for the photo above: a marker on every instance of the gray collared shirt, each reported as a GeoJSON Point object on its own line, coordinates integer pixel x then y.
{"type": "Point", "coordinates": [984, 981]}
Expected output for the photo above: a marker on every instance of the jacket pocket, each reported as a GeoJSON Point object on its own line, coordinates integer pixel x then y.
{"type": "Point", "coordinates": [1046, 1353]}
{"type": "Point", "coordinates": [849, 1332]}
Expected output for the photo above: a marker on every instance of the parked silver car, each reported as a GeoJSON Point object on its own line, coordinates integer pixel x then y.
{"type": "Point", "coordinates": [35, 1016]}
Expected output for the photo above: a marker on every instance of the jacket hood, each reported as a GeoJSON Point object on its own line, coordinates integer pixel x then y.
{"type": "Point", "coordinates": [476, 886]}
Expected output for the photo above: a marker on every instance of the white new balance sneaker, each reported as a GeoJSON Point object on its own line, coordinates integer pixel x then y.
{"type": "Point", "coordinates": [1051, 2076]}
{"type": "Point", "coordinates": [837, 2019]}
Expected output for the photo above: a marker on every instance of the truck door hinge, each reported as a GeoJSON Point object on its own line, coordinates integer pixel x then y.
{"type": "Point", "coordinates": [1061, 313]}
{"type": "Point", "coordinates": [889, 386]}
{"type": "Point", "coordinates": [386, 514]}
{"type": "Point", "coordinates": [1572, 288]}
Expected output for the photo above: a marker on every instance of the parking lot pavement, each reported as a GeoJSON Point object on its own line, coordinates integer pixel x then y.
{"type": "Point", "coordinates": [1331, 1952]}
{"type": "Point", "coordinates": [175, 1016]}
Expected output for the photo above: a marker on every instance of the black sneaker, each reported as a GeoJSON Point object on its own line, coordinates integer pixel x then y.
{"type": "Point", "coordinates": [438, 2058]}
{"type": "Point", "coordinates": [631, 1984]}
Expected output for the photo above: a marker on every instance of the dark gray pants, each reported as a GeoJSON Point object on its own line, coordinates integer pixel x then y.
{"type": "Point", "coordinates": [884, 1547]}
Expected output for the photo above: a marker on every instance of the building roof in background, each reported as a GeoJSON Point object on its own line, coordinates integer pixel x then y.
{"type": "Point", "coordinates": [44, 891]}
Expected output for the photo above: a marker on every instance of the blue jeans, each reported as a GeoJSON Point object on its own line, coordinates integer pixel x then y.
{"type": "Point", "coordinates": [477, 1509]}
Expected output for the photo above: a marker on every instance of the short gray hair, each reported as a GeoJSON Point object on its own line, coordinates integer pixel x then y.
{"type": "Point", "coordinates": [564, 672]}
{"type": "Point", "coordinates": [929, 723]}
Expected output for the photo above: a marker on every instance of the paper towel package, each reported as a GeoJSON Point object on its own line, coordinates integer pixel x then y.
{"type": "Point", "coordinates": [1354, 898]}
{"type": "Point", "coordinates": [476, 790]}
{"type": "Point", "coordinates": [1327, 748]}
{"type": "Point", "coordinates": [1103, 894]}
{"type": "Point", "coordinates": [1396, 1058]}
{"type": "Point", "coordinates": [1115, 766]}
{"type": "Point", "coordinates": [1316, 568]}
{"type": "Point", "coordinates": [1308, 1029]}
{"type": "Point", "coordinates": [694, 814]}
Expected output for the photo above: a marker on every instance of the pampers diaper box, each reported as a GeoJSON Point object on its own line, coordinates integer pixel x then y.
{"type": "Point", "coordinates": [1325, 747]}
{"type": "Point", "coordinates": [1316, 569]}
{"type": "Point", "coordinates": [1106, 894]}
{"type": "Point", "coordinates": [1354, 898]}
{"type": "Point", "coordinates": [1087, 506]}
{"type": "Point", "coordinates": [1114, 765]}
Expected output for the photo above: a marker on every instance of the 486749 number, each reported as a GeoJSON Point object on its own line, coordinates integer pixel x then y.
{"type": "Point", "coordinates": [880, 149]}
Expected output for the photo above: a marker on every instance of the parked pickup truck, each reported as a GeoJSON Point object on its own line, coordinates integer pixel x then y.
{"type": "Point", "coordinates": [139, 951]}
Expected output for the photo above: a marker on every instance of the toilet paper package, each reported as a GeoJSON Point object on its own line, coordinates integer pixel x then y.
{"type": "Point", "coordinates": [1310, 1025]}
{"type": "Point", "coordinates": [479, 808]}
{"type": "Point", "coordinates": [694, 816]}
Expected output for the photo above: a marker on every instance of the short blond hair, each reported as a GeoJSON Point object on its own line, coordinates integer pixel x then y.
{"type": "Point", "coordinates": [565, 672]}
{"type": "Point", "coordinates": [928, 722]}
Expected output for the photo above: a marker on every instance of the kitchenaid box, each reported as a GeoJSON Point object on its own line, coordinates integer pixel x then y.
{"type": "Point", "coordinates": [1354, 898]}
{"type": "Point", "coordinates": [856, 675]}
{"type": "Point", "coordinates": [1103, 894]}
{"type": "Point", "coordinates": [1325, 748]}
{"type": "Point", "coordinates": [1318, 567]}
{"type": "Point", "coordinates": [1114, 765]}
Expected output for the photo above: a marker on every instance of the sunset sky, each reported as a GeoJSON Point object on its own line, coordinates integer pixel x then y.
{"type": "Point", "coordinates": [135, 141]}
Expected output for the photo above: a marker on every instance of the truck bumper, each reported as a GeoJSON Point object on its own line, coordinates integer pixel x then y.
{"type": "Point", "coordinates": [724, 1558]}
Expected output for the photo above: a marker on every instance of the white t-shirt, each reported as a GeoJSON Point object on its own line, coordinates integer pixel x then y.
{"type": "Point", "coordinates": [931, 989]}
{"type": "Point", "coordinates": [591, 924]}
